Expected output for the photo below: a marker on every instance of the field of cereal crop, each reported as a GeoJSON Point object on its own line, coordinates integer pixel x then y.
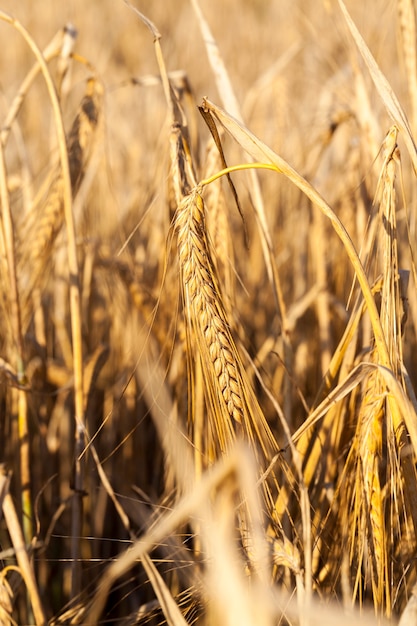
{"type": "Point", "coordinates": [208, 298]}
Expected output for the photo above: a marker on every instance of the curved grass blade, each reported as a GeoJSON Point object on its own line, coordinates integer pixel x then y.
{"type": "Point", "coordinates": [383, 87]}
{"type": "Point", "coordinates": [261, 152]}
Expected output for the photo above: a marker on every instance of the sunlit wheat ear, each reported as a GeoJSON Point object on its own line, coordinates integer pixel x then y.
{"type": "Point", "coordinates": [392, 290]}
{"type": "Point", "coordinates": [205, 314]}
{"type": "Point", "coordinates": [379, 424]}
{"type": "Point", "coordinates": [80, 144]}
{"type": "Point", "coordinates": [372, 496]}
{"type": "Point", "coordinates": [230, 401]}
{"type": "Point", "coordinates": [82, 136]}
{"type": "Point", "coordinates": [47, 219]}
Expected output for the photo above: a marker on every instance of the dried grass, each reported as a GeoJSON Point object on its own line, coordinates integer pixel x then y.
{"type": "Point", "coordinates": [207, 356]}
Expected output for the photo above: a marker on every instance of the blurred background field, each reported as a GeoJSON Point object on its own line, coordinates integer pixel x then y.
{"type": "Point", "coordinates": [305, 91]}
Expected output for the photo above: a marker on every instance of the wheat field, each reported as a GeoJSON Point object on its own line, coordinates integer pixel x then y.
{"type": "Point", "coordinates": [208, 362]}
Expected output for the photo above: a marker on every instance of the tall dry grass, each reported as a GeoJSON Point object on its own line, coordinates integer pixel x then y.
{"type": "Point", "coordinates": [208, 295]}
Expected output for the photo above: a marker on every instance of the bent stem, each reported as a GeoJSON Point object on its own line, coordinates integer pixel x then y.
{"type": "Point", "coordinates": [74, 291]}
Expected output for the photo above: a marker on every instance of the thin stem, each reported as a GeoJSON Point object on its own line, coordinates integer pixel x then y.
{"type": "Point", "coordinates": [74, 286]}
